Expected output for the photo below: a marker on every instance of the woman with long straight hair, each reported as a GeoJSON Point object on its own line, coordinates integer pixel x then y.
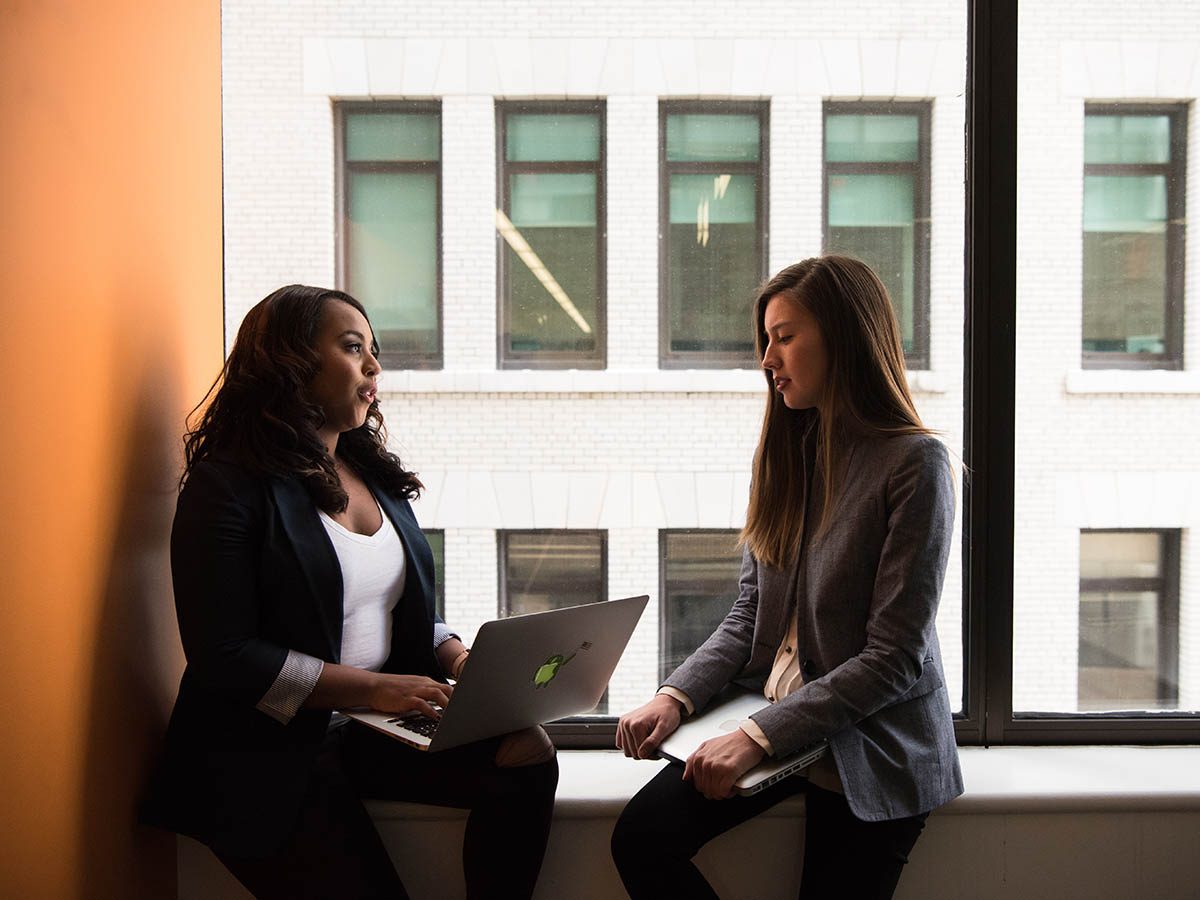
{"type": "Point", "coordinates": [847, 536]}
{"type": "Point", "coordinates": [304, 585]}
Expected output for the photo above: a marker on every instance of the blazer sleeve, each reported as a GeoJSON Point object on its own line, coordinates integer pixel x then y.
{"type": "Point", "coordinates": [725, 654]}
{"type": "Point", "coordinates": [893, 664]}
{"type": "Point", "coordinates": [216, 544]}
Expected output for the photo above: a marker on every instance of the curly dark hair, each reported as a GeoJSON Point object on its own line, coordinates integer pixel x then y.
{"type": "Point", "coordinates": [258, 415]}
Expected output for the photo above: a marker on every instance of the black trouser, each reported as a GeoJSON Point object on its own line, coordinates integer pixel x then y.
{"type": "Point", "coordinates": [668, 821]}
{"type": "Point", "coordinates": [335, 850]}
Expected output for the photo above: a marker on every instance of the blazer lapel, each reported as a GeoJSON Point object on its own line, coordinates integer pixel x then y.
{"type": "Point", "coordinates": [412, 620]}
{"type": "Point", "coordinates": [315, 554]}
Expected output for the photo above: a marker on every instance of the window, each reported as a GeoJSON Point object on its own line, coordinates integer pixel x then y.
{"type": "Point", "coordinates": [877, 204]}
{"type": "Point", "coordinates": [1128, 620]}
{"type": "Point", "coordinates": [713, 231]}
{"type": "Point", "coordinates": [390, 225]}
{"type": "Point", "coordinates": [437, 543]}
{"type": "Point", "coordinates": [550, 225]}
{"type": "Point", "coordinates": [1133, 234]}
{"type": "Point", "coordinates": [699, 585]}
{"type": "Point", "coordinates": [541, 570]}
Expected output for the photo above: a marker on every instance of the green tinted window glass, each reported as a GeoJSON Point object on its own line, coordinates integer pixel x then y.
{"type": "Point", "coordinates": [391, 261]}
{"type": "Point", "coordinates": [1126, 203]}
{"type": "Point", "coordinates": [552, 138]}
{"type": "Point", "coordinates": [871, 138]}
{"type": "Point", "coordinates": [392, 137]}
{"type": "Point", "coordinates": [713, 258]}
{"type": "Point", "coordinates": [551, 248]}
{"type": "Point", "coordinates": [712, 138]}
{"type": "Point", "coordinates": [1126, 139]}
{"type": "Point", "coordinates": [437, 544]}
{"type": "Point", "coordinates": [870, 199]}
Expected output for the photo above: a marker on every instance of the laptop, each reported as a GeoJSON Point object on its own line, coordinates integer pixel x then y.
{"type": "Point", "coordinates": [523, 671]}
{"type": "Point", "coordinates": [732, 706]}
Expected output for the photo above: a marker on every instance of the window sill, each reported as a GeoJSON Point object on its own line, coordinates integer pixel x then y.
{"type": "Point", "coordinates": [1126, 381]}
{"type": "Point", "coordinates": [999, 780]}
{"type": "Point", "coordinates": [608, 381]}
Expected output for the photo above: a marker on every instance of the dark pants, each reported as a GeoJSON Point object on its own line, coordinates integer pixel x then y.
{"type": "Point", "coordinates": [335, 850]}
{"type": "Point", "coordinates": [668, 821]}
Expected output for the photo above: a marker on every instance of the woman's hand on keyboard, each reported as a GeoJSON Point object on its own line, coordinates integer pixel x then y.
{"type": "Point", "coordinates": [409, 693]}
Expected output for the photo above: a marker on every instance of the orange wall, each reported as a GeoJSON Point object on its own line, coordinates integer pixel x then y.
{"type": "Point", "coordinates": [110, 329]}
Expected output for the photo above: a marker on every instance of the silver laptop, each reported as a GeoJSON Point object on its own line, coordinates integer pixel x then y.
{"type": "Point", "coordinates": [522, 671]}
{"type": "Point", "coordinates": [723, 717]}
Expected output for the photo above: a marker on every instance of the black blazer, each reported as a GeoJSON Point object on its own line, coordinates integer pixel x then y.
{"type": "Point", "coordinates": [255, 575]}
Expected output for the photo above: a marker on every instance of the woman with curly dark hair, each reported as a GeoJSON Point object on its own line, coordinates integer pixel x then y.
{"type": "Point", "coordinates": [304, 585]}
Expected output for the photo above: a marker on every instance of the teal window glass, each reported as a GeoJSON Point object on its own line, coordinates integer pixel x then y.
{"type": "Point", "coordinates": [700, 583]}
{"type": "Point", "coordinates": [712, 252]}
{"type": "Point", "coordinates": [391, 199]}
{"type": "Point", "coordinates": [553, 138]}
{"type": "Point", "coordinates": [708, 138]}
{"type": "Point", "coordinates": [437, 543]}
{"type": "Point", "coordinates": [876, 203]}
{"type": "Point", "coordinates": [393, 137]}
{"type": "Point", "coordinates": [713, 227]}
{"type": "Point", "coordinates": [1128, 248]}
{"type": "Point", "coordinates": [552, 237]}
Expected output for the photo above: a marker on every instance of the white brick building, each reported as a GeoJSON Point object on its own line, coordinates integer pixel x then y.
{"type": "Point", "coordinates": [632, 449]}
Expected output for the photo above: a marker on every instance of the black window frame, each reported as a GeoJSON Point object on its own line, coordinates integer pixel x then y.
{"type": "Point", "coordinates": [1166, 585]}
{"type": "Point", "coordinates": [918, 357]}
{"type": "Point", "coordinates": [553, 359]}
{"type": "Point", "coordinates": [667, 358]}
{"type": "Point", "coordinates": [1175, 172]}
{"type": "Point", "coordinates": [389, 359]}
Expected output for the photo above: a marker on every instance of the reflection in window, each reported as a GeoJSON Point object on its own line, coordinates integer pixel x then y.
{"type": "Point", "coordinates": [713, 245]}
{"type": "Point", "coordinates": [877, 204]}
{"type": "Point", "coordinates": [699, 585]}
{"type": "Point", "coordinates": [391, 202]}
{"type": "Point", "coordinates": [1128, 620]}
{"type": "Point", "coordinates": [1133, 192]}
{"type": "Point", "coordinates": [541, 570]}
{"type": "Point", "coordinates": [550, 226]}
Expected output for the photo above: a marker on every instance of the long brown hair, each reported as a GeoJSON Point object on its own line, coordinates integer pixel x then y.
{"type": "Point", "coordinates": [258, 414]}
{"type": "Point", "coordinates": [865, 395]}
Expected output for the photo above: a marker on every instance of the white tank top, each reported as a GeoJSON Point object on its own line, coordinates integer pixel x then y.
{"type": "Point", "coordinates": [373, 570]}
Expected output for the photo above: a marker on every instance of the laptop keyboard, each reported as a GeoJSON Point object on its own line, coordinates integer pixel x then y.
{"type": "Point", "coordinates": [422, 725]}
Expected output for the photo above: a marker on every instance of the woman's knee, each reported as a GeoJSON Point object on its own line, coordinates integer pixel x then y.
{"type": "Point", "coordinates": [528, 747]}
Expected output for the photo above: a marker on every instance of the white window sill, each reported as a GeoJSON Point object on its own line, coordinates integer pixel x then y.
{"type": "Point", "coordinates": [1130, 381]}
{"type": "Point", "coordinates": [999, 780]}
{"type": "Point", "coordinates": [606, 381]}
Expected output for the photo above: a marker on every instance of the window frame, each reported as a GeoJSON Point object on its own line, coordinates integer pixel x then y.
{"type": "Point", "coordinates": [1167, 586]}
{"type": "Point", "coordinates": [389, 359]}
{"type": "Point", "coordinates": [554, 359]}
{"type": "Point", "coordinates": [1175, 172]}
{"type": "Point", "coordinates": [667, 358]}
{"type": "Point", "coordinates": [921, 170]}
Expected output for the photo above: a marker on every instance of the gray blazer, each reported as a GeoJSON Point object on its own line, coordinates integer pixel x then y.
{"type": "Point", "coordinates": [867, 592]}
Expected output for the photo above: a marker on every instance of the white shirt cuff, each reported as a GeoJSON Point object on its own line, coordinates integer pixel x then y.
{"type": "Point", "coordinates": [756, 734]}
{"type": "Point", "coordinates": [442, 633]}
{"type": "Point", "coordinates": [291, 687]}
{"type": "Point", "coordinates": [677, 694]}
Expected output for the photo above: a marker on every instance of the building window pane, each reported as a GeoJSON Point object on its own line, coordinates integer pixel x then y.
{"type": "Point", "coordinates": [541, 570]}
{"type": "Point", "coordinates": [714, 247]}
{"type": "Point", "coordinates": [1132, 238]}
{"type": "Point", "coordinates": [550, 228]}
{"type": "Point", "coordinates": [699, 585]}
{"type": "Point", "coordinates": [391, 198]}
{"type": "Point", "coordinates": [1128, 621]}
{"type": "Point", "coordinates": [877, 204]}
{"type": "Point", "coordinates": [437, 543]}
